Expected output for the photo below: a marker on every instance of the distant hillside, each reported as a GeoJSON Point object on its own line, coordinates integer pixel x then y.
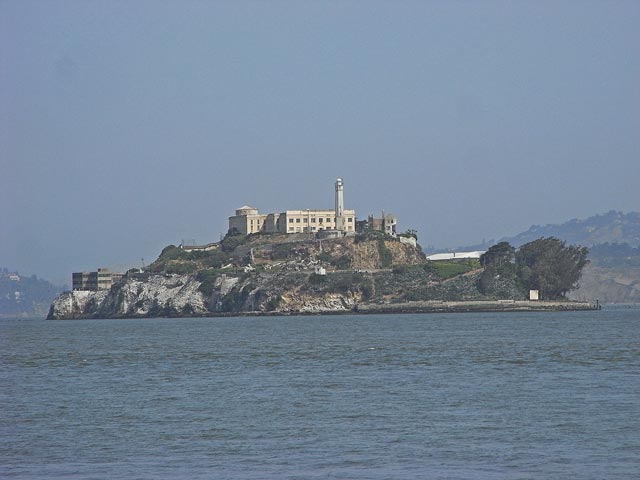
{"type": "Point", "coordinates": [613, 238]}
{"type": "Point", "coordinates": [23, 296]}
{"type": "Point", "coordinates": [610, 227]}
{"type": "Point", "coordinates": [613, 275]}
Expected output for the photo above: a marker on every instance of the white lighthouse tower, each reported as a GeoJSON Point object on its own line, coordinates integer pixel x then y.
{"type": "Point", "coordinates": [340, 205]}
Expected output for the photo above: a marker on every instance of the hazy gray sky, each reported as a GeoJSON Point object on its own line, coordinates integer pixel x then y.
{"type": "Point", "coordinates": [126, 126]}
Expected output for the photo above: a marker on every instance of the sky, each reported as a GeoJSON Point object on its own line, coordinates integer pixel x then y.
{"type": "Point", "coordinates": [127, 126]}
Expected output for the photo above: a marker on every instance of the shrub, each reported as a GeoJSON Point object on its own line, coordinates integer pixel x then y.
{"type": "Point", "coordinates": [400, 270]}
{"type": "Point", "coordinates": [207, 279]}
{"type": "Point", "coordinates": [386, 258]}
{"type": "Point", "coordinates": [230, 242]}
{"type": "Point", "coordinates": [171, 252]}
{"type": "Point", "coordinates": [234, 300]}
{"type": "Point", "coordinates": [181, 268]}
{"type": "Point", "coordinates": [315, 279]}
{"type": "Point", "coordinates": [215, 259]}
{"type": "Point", "coordinates": [342, 263]}
{"type": "Point", "coordinates": [281, 251]}
{"type": "Point", "coordinates": [324, 257]}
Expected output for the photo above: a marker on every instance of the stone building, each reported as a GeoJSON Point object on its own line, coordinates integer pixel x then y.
{"type": "Point", "coordinates": [103, 279]}
{"type": "Point", "coordinates": [248, 220]}
{"type": "Point", "coordinates": [386, 223]}
{"type": "Point", "coordinates": [289, 221]}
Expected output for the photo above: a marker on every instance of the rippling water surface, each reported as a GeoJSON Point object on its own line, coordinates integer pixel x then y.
{"type": "Point", "coordinates": [535, 395]}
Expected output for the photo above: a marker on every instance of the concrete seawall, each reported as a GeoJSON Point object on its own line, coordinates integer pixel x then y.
{"type": "Point", "coordinates": [476, 306]}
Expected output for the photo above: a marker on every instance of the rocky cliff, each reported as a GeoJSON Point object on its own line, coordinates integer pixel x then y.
{"type": "Point", "coordinates": [155, 295]}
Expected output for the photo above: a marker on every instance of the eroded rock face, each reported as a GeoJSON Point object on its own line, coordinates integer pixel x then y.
{"type": "Point", "coordinates": [77, 304]}
{"type": "Point", "coordinates": [180, 295]}
{"type": "Point", "coordinates": [304, 303]}
{"type": "Point", "coordinates": [159, 295]}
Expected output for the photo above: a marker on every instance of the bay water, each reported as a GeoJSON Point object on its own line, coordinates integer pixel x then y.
{"type": "Point", "coordinates": [442, 396]}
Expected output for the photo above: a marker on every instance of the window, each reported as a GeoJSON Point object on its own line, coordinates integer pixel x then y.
{"type": "Point", "coordinates": [320, 220]}
{"type": "Point", "coordinates": [297, 220]}
{"type": "Point", "coordinates": [305, 219]}
{"type": "Point", "coordinates": [291, 229]}
{"type": "Point", "coordinates": [313, 220]}
{"type": "Point", "coordinates": [328, 220]}
{"type": "Point", "coordinates": [291, 220]}
{"type": "Point", "coordinates": [350, 220]}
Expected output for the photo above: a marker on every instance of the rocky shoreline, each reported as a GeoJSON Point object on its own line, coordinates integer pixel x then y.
{"type": "Point", "coordinates": [190, 303]}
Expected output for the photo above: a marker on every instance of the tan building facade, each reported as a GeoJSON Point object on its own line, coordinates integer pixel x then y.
{"type": "Point", "coordinates": [300, 221]}
{"type": "Point", "coordinates": [248, 220]}
{"type": "Point", "coordinates": [103, 279]}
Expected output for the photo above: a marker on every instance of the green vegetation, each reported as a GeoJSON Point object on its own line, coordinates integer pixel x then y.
{"type": "Point", "coordinates": [502, 272]}
{"type": "Point", "coordinates": [500, 276]}
{"type": "Point", "coordinates": [549, 265]}
{"type": "Point", "coordinates": [342, 263]}
{"type": "Point", "coordinates": [231, 241]}
{"type": "Point", "coordinates": [174, 260]}
{"type": "Point", "coordinates": [315, 279]}
{"type": "Point", "coordinates": [386, 258]}
{"type": "Point", "coordinates": [546, 264]}
{"type": "Point", "coordinates": [370, 235]}
{"type": "Point", "coordinates": [411, 233]}
{"type": "Point", "coordinates": [207, 279]}
{"type": "Point", "coordinates": [234, 300]}
{"type": "Point", "coordinates": [453, 268]}
{"type": "Point", "coordinates": [282, 251]}
{"type": "Point", "coordinates": [324, 257]}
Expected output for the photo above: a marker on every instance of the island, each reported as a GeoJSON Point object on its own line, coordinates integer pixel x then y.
{"type": "Point", "coordinates": [369, 272]}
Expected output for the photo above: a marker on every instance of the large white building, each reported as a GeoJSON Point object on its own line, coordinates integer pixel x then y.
{"type": "Point", "coordinates": [249, 220]}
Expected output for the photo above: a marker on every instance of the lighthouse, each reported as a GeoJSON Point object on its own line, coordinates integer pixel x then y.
{"type": "Point", "coordinates": [340, 205]}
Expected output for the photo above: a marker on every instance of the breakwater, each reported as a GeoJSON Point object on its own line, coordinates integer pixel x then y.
{"type": "Point", "coordinates": [437, 306]}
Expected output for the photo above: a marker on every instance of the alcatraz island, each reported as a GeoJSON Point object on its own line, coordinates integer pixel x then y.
{"type": "Point", "coordinates": [327, 262]}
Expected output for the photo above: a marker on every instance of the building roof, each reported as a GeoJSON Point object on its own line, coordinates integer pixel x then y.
{"type": "Point", "coordinates": [246, 207]}
{"type": "Point", "coordinates": [454, 255]}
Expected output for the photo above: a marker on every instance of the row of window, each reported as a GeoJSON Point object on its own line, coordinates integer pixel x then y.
{"type": "Point", "coordinates": [313, 229]}
{"type": "Point", "coordinates": [320, 220]}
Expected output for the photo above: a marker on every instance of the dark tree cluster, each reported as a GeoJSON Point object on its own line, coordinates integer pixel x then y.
{"type": "Point", "coordinates": [547, 264]}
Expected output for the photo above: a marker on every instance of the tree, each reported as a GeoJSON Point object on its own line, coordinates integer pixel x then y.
{"type": "Point", "coordinates": [549, 265]}
{"type": "Point", "coordinates": [410, 233]}
{"type": "Point", "coordinates": [498, 255]}
{"type": "Point", "coordinates": [499, 278]}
